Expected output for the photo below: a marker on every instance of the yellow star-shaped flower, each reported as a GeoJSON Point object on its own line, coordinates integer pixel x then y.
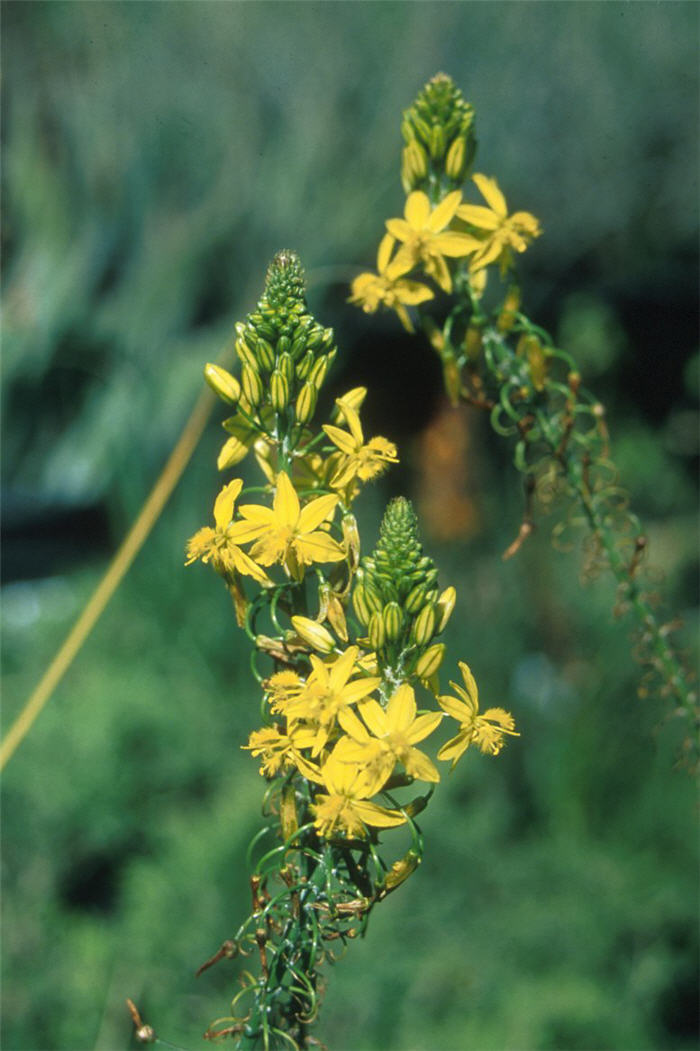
{"type": "Point", "coordinates": [219, 545]}
{"type": "Point", "coordinates": [425, 237]}
{"type": "Point", "coordinates": [344, 807]}
{"type": "Point", "coordinates": [328, 691]}
{"type": "Point", "coordinates": [503, 233]}
{"type": "Point", "coordinates": [485, 731]}
{"type": "Point", "coordinates": [394, 735]}
{"type": "Point", "coordinates": [287, 532]}
{"type": "Point", "coordinates": [389, 286]}
{"type": "Point", "coordinates": [358, 460]}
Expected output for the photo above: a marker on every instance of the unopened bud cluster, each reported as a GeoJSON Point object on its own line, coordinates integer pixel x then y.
{"type": "Point", "coordinates": [284, 357]}
{"type": "Point", "coordinates": [439, 133]}
{"type": "Point", "coordinates": [397, 600]}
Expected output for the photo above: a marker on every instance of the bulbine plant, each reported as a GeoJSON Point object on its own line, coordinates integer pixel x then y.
{"type": "Point", "coordinates": [448, 267]}
{"type": "Point", "coordinates": [347, 656]}
{"type": "Point", "coordinates": [356, 729]}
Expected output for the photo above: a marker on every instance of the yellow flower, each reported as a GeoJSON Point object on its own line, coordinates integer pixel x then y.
{"type": "Point", "coordinates": [279, 752]}
{"type": "Point", "coordinates": [218, 545]}
{"type": "Point", "coordinates": [358, 460]}
{"type": "Point", "coordinates": [288, 533]}
{"type": "Point", "coordinates": [485, 731]}
{"type": "Point", "coordinates": [328, 691]}
{"type": "Point", "coordinates": [344, 808]}
{"type": "Point", "coordinates": [396, 732]}
{"type": "Point", "coordinates": [503, 232]}
{"type": "Point", "coordinates": [425, 238]}
{"type": "Point", "coordinates": [389, 286]}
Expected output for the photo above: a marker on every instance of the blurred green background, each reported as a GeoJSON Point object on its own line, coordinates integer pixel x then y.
{"type": "Point", "coordinates": [155, 156]}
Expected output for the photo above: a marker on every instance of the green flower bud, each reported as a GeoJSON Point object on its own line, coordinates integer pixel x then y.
{"type": "Point", "coordinates": [375, 630]}
{"type": "Point", "coordinates": [424, 626]}
{"type": "Point", "coordinates": [306, 403]}
{"type": "Point", "coordinates": [393, 621]}
{"type": "Point", "coordinates": [279, 391]}
{"type": "Point", "coordinates": [305, 365]}
{"type": "Point", "coordinates": [251, 385]}
{"type": "Point", "coordinates": [265, 354]}
{"type": "Point", "coordinates": [286, 366]}
{"type": "Point", "coordinates": [429, 661]}
{"type": "Point", "coordinates": [222, 383]}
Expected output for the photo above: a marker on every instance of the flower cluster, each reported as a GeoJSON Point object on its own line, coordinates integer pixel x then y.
{"type": "Point", "coordinates": [352, 707]}
{"type": "Point", "coordinates": [438, 226]}
{"type": "Point", "coordinates": [341, 704]}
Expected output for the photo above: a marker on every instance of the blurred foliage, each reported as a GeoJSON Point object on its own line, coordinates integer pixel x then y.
{"type": "Point", "coordinates": [156, 155]}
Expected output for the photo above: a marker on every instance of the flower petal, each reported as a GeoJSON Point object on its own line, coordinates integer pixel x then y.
{"type": "Point", "coordinates": [418, 765]}
{"type": "Point", "coordinates": [454, 244]}
{"type": "Point", "coordinates": [445, 211]}
{"type": "Point", "coordinates": [401, 709]}
{"type": "Point", "coordinates": [477, 215]}
{"type": "Point", "coordinates": [286, 502]}
{"type": "Point", "coordinates": [417, 210]}
{"type": "Point", "coordinates": [374, 716]}
{"type": "Point", "coordinates": [318, 547]}
{"type": "Point", "coordinates": [377, 816]}
{"type": "Point", "coordinates": [225, 501]}
{"type": "Point", "coordinates": [491, 193]}
{"type": "Point", "coordinates": [315, 512]}
{"type": "Point", "coordinates": [423, 726]}
{"type": "Point", "coordinates": [386, 246]}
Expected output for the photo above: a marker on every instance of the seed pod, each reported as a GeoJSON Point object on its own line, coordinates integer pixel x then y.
{"type": "Point", "coordinates": [265, 354]}
{"type": "Point", "coordinates": [313, 633]}
{"type": "Point", "coordinates": [473, 342]}
{"type": "Point", "coordinates": [375, 630]}
{"type": "Point", "coordinates": [222, 383]}
{"type": "Point", "coordinates": [429, 662]}
{"type": "Point", "coordinates": [424, 626]}
{"type": "Point", "coordinates": [393, 621]}
{"type": "Point", "coordinates": [252, 385]}
{"type": "Point", "coordinates": [279, 391]}
{"type": "Point", "coordinates": [306, 403]}
{"type": "Point", "coordinates": [305, 365]}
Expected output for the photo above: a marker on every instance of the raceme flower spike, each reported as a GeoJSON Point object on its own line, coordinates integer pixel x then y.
{"type": "Point", "coordinates": [350, 713]}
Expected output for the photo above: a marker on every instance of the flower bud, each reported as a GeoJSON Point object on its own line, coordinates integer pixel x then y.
{"type": "Point", "coordinates": [286, 366]}
{"type": "Point", "coordinates": [375, 630]}
{"type": "Point", "coordinates": [284, 345]}
{"type": "Point", "coordinates": [429, 662]}
{"type": "Point", "coordinates": [437, 142]}
{"type": "Point", "coordinates": [222, 383]}
{"type": "Point", "coordinates": [245, 354]}
{"type": "Point", "coordinates": [359, 603]}
{"type": "Point", "coordinates": [336, 617]}
{"type": "Point", "coordinates": [455, 162]}
{"type": "Point", "coordinates": [305, 365]}
{"type": "Point", "coordinates": [279, 391]}
{"type": "Point", "coordinates": [424, 626]}
{"type": "Point", "coordinates": [251, 385]}
{"type": "Point", "coordinates": [265, 354]}
{"type": "Point", "coordinates": [415, 599]}
{"type": "Point", "coordinates": [306, 403]}
{"type": "Point", "coordinates": [318, 371]}
{"type": "Point", "coordinates": [445, 605]}
{"type": "Point", "coordinates": [314, 634]}
{"type": "Point", "coordinates": [393, 621]}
